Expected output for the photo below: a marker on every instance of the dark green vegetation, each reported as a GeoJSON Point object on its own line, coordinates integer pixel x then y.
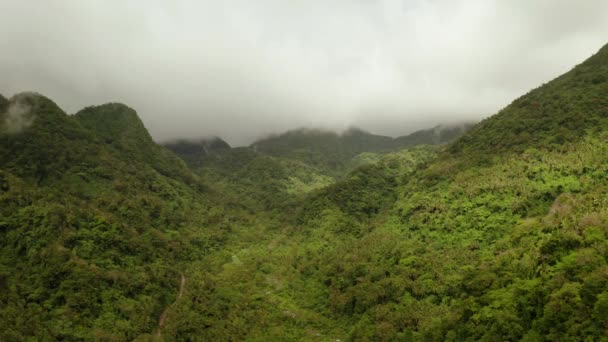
{"type": "Point", "coordinates": [500, 236]}
{"type": "Point", "coordinates": [195, 152]}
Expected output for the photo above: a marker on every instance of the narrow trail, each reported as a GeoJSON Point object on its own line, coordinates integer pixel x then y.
{"type": "Point", "coordinates": [163, 315]}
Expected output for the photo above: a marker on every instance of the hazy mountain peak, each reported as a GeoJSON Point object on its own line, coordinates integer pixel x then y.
{"type": "Point", "coordinates": [35, 100]}
{"type": "Point", "coordinates": [193, 150]}
{"type": "Point", "coordinates": [26, 109]}
{"type": "Point", "coordinates": [115, 123]}
{"type": "Point", "coordinates": [110, 116]}
{"type": "Point", "coordinates": [353, 130]}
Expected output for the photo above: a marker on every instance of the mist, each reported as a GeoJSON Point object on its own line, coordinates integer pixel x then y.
{"type": "Point", "coordinates": [17, 116]}
{"type": "Point", "coordinates": [242, 69]}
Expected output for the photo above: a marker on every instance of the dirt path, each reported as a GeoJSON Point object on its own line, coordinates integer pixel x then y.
{"type": "Point", "coordinates": [163, 316]}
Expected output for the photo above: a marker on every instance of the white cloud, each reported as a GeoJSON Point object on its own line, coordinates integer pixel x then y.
{"type": "Point", "coordinates": [240, 68]}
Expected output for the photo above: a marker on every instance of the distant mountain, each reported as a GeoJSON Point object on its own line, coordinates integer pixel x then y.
{"type": "Point", "coordinates": [325, 150]}
{"type": "Point", "coordinates": [3, 103]}
{"type": "Point", "coordinates": [260, 181]}
{"type": "Point", "coordinates": [195, 151]}
{"type": "Point", "coordinates": [266, 181]}
{"type": "Point", "coordinates": [278, 169]}
{"type": "Point", "coordinates": [332, 152]}
{"type": "Point", "coordinates": [438, 135]}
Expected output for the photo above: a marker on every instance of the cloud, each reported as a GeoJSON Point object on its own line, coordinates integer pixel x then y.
{"type": "Point", "coordinates": [241, 69]}
{"type": "Point", "coordinates": [17, 117]}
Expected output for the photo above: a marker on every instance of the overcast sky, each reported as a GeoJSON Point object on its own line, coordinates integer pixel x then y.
{"type": "Point", "coordinates": [242, 68]}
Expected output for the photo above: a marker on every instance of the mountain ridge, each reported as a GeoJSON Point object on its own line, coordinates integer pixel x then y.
{"type": "Point", "coordinates": [331, 151]}
{"type": "Point", "coordinates": [566, 106]}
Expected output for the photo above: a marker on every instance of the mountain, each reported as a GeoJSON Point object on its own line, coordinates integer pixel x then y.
{"type": "Point", "coordinates": [262, 182]}
{"type": "Point", "coordinates": [274, 172]}
{"type": "Point", "coordinates": [38, 140]}
{"type": "Point", "coordinates": [434, 136]}
{"type": "Point", "coordinates": [332, 152]}
{"type": "Point", "coordinates": [119, 128]}
{"type": "Point", "coordinates": [195, 151]}
{"type": "Point", "coordinates": [325, 150]}
{"type": "Point", "coordinates": [3, 103]}
{"type": "Point", "coordinates": [94, 221]}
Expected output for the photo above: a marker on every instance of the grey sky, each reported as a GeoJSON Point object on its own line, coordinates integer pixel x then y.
{"type": "Point", "coordinates": [241, 68]}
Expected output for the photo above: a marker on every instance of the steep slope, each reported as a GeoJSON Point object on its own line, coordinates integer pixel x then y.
{"type": "Point", "coordinates": [119, 127]}
{"type": "Point", "coordinates": [487, 243]}
{"type": "Point", "coordinates": [92, 234]}
{"type": "Point", "coordinates": [39, 141]}
{"type": "Point", "coordinates": [563, 110]}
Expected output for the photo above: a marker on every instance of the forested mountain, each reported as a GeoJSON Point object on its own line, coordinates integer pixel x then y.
{"type": "Point", "coordinates": [278, 170]}
{"type": "Point", "coordinates": [498, 236]}
{"type": "Point", "coordinates": [194, 152]}
{"type": "Point", "coordinates": [332, 152]}
{"type": "Point", "coordinates": [434, 136]}
{"type": "Point", "coordinates": [95, 219]}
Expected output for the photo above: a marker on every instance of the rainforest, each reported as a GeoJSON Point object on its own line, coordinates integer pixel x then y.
{"type": "Point", "coordinates": [487, 230]}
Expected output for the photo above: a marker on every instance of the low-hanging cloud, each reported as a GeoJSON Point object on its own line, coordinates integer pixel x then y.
{"type": "Point", "coordinates": [241, 69]}
{"type": "Point", "coordinates": [17, 117]}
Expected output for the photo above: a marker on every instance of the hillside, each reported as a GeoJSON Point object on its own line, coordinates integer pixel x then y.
{"type": "Point", "coordinates": [261, 182]}
{"type": "Point", "coordinates": [92, 229]}
{"type": "Point", "coordinates": [119, 128]}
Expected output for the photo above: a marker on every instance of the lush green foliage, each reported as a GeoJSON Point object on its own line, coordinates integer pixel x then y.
{"type": "Point", "coordinates": [259, 181]}
{"type": "Point", "coordinates": [92, 236]}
